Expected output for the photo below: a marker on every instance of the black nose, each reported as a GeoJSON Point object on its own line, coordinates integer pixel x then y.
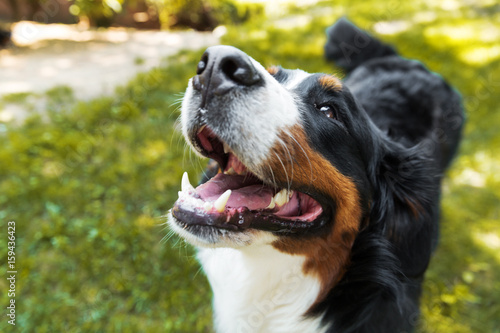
{"type": "Point", "coordinates": [223, 68]}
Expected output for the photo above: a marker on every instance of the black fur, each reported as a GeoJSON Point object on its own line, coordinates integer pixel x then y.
{"type": "Point", "coordinates": [404, 124]}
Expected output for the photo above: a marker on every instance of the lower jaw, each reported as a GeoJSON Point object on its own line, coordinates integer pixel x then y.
{"type": "Point", "coordinates": [243, 219]}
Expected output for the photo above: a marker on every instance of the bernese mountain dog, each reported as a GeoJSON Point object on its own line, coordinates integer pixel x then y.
{"type": "Point", "coordinates": [319, 211]}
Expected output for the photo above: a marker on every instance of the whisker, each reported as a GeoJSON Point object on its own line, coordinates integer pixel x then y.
{"type": "Point", "coordinates": [177, 103]}
{"type": "Point", "coordinates": [284, 169]}
{"type": "Point", "coordinates": [301, 166]}
{"type": "Point", "coordinates": [176, 130]}
{"type": "Point", "coordinates": [167, 237]}
{"type": "Point", "coordinates": [200, 269]}
{"type": "Point", "coordinates": [285, 147]}
{"type": "Point", "coordinates": [272, 174]}
{"type": "Point", "coordinates": [305, 154]}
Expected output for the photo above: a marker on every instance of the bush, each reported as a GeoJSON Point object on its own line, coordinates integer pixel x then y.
{"type": "Point", "coordinates": [202, 15]}
{"type": "Point", "coordinates": [205, 15]}
{"type": "Point", "coordinates": [100, 13]}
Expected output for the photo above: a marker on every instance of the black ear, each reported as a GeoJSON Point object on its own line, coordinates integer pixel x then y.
{"type": "Point", "coordinates": [405, 203]}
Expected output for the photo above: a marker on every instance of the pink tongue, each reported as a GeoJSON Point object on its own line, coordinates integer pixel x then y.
{"type": "Point", "coordinates": [254, 197]}
{"type": "Point", "coordinates": [246, 192]}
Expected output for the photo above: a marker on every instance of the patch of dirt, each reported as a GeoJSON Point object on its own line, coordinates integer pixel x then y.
{"type": "Point", "coordinates": [91, 62]}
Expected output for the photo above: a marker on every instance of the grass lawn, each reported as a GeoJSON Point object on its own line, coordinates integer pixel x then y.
{"type": "Point", "coordinates": [88, 187]}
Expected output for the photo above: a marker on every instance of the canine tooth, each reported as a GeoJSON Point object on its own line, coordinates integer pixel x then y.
{"type": "Point", "coordinates": [220, 204]}
{"type": "Point", "coordinates": [281, 197]}
{"type": "Point", "coordinates": [185, 184]}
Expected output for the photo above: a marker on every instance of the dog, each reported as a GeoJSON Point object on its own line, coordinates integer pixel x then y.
{"type": "Point", "coordinates": [320, 212]}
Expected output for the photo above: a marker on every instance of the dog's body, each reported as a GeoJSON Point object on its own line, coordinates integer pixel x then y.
{"type": "Point", "coordinates": [323, 211]}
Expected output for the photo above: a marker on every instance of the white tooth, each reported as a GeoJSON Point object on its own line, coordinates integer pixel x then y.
{"type": "Point", "coordinates": [230, 172]}
{"type": "Point", "coordinates": [220, 204]}
{"type": "Point", "coordinates": [226, 149]}
{"type": "Point", "coordinates": [281, 197]}
{"type": "Point", "coordinates": [207, 206]}
{"type": "Point", "coordinates": [271, 204]}
{"type": "Point", "coordinates": [185, 184]}
{"type": "Point", "coordinates": [290, 194]}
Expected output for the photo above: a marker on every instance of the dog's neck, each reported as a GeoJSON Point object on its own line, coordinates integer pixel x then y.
{"type": "Point", "coordinates": [259, 289]}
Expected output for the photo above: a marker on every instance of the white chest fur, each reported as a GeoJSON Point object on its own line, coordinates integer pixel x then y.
{"type": "Point", "coordinates": [258, 289]}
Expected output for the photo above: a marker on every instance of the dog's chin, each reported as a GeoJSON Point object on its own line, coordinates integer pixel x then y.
{"type": "Point", "coordinates": [213, 237]}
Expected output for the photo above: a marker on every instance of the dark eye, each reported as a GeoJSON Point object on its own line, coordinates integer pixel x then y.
{"type": "Point", "coordinates": [326, 110]}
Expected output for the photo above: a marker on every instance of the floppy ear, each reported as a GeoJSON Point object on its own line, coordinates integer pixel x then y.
{"type": "Point", "coordinates": [405, 190]}
{"type": "Point", "coordinates": [405, 203]}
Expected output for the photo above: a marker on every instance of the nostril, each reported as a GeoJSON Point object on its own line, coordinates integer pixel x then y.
{"type": "Point", "coordinates": [229, 67]}
{"type": "Point", "coordinates": [202, 64]}
{"type": "Point", "coordinates": [239, 70]}
{"type": "Point", "coordinates": [222, 68]}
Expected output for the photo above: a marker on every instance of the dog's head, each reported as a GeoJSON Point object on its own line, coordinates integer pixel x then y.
{"type": "Point", "coordinates": [300, 165]}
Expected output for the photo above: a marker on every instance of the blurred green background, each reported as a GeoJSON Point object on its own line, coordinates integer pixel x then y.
{"type": "Point", "coordinates": [89, 185]}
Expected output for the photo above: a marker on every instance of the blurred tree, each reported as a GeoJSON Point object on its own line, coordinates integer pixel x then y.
{"type": "Point", "coordinates": [204, 15]}
{"type": "Point", "coordinates": [24, 8]}
{"type": "Point", "coordinates": [15, 9]}
{"type": "Point", "coordinates": [197, 14]}
{"type": "Point", "coordinates": [99, 13]}
{"type": "Point", "coordinates": [201, 15]}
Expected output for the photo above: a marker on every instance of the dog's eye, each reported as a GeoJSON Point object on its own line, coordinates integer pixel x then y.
{"type": "Point", "coordinates": [326, 110]}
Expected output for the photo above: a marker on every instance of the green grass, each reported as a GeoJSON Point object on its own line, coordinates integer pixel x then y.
{"type": "Point", "coordinates": [89, 188]}
{"type": "Point", "coordinates": [138, 61]}
{"type": "Point", "coordinates": [16, 98]}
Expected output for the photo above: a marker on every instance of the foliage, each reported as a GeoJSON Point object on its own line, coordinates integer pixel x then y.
{"type": "Point", "coordinates": [204, 14]}
{"type": "Point", "coordinates": [100, 13]}
{"type": "Point", "coordinates": [197, 14]}
{"type": "Point", "coordinates": [89, 188]}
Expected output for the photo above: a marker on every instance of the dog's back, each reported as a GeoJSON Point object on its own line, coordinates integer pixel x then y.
{"type": "Point", "coordinates": [404, 99]}
{"type": "Point", "coordinates": [417, 109]}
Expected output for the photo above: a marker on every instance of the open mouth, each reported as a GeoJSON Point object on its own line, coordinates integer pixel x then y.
{"type": "Point", "coordinates": [235, 199]}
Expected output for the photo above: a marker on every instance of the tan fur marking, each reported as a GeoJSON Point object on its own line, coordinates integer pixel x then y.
{"type": "Point", "coordinates": [273, 70]}
{"type": "Point", "coordinates": [327, 256]}
{"type": "Point", "coordinates": [330, 82]}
